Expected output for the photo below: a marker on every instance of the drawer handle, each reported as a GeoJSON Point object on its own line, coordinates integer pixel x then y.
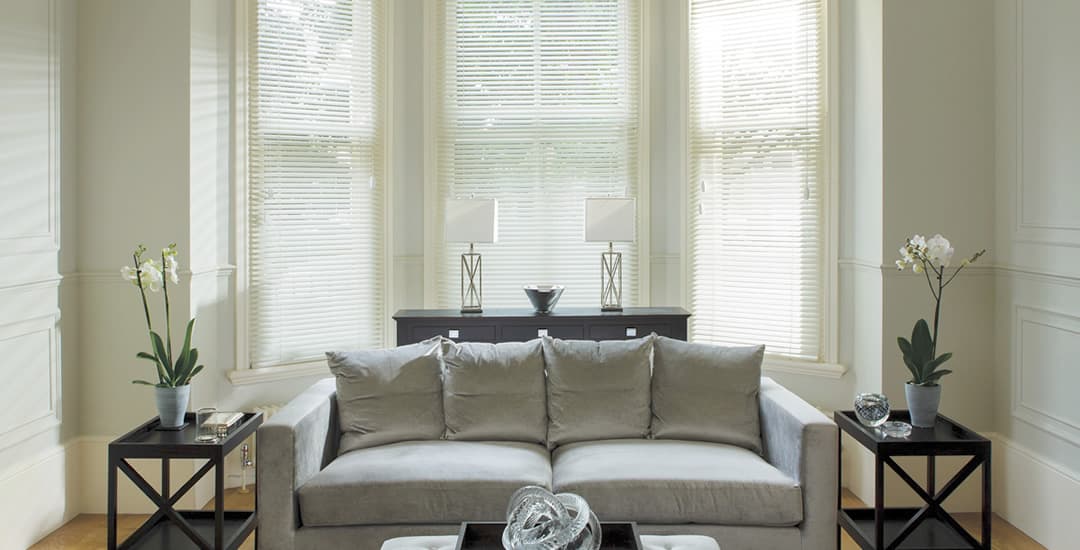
{"type": "Point", "coordinates": [540, 332]}
{"type": "Point", "coordinates": [453, 333]}
{"type": "Point", "coordinates": [631, 331]}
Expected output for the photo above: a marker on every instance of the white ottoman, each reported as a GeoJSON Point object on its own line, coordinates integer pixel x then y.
{"type": "Point", "coordinates": [649, 542]}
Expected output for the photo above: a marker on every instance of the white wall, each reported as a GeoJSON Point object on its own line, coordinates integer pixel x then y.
{"type": "Point", "coordinates": [38, 347]}
{"type": "Point", "coordinates": [1037, 230]}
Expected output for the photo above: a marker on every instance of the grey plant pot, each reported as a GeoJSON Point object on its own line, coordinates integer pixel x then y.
{"type": "Point", "coordinates": [923, 403]}
{"type": "Point", "coordinates": [172, 403]}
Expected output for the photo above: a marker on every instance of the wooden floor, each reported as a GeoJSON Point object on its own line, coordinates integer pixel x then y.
{"type": "Point", "coordinates": [87, 531]}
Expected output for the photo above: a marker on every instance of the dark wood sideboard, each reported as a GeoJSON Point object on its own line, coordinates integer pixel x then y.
{"type": "Point", "coordinates": [518, 325]}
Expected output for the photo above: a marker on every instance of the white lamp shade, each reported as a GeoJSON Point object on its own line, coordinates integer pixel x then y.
{"type": "Point", "coordinates": [608, 220]}
{"type": "Point", "coordinates": [471, 221]}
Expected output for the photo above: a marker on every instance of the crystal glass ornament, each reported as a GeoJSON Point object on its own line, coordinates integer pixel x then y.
{"type": "Point", "coordinates": [539, 520]}
{"type": "Point", "coordinates": [898, 430]}
{"type": "Point", "coordinates": [872, 409]}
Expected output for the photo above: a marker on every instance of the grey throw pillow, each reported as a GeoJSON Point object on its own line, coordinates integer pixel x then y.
{"type": "Point", "coordinates": [597, 390]}
{"type": "Point", "coordinates": [494, 392]}
{"type": "Point", "coordinates": [390, 395]}
{"type": "Point", "coordinates": [702, 392]}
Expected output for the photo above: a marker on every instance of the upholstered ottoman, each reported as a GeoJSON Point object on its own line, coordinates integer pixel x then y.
{"type": "Point", "coordinates": [649, 542]}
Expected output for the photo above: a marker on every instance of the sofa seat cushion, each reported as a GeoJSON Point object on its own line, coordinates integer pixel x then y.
{"type": "Point", "coordinates": [422, 482]}
{"type": "Point", "coordinates": [671, 481]}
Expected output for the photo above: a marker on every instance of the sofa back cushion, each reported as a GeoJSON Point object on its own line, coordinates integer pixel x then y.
{"type": "Point", "coordinates": [702, 392]}
{"type": "Point", "coordinates": [391, 395]}
{"type": "Point", "coordinates": [494, 392]}
{"type": "Point", "coordinates": [597, 390]}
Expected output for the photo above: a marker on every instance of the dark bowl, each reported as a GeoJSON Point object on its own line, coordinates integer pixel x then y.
{"type": "Point", "coordinates": [544, 297]}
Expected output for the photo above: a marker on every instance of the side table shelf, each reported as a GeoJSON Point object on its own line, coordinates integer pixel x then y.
{"type": "Point", "coordinates": [169, 528]}
{"type": "Point", "coordinates": [928, 527]}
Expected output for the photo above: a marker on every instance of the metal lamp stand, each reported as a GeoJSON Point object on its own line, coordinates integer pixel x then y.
{"type": "Point", "coordinates": [472, 282]}
{"type": "Point", "coordinates": [611, 279]}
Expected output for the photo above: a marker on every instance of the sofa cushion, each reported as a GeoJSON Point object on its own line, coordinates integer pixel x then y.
{"type": "Point", "coordinates": [494, 392]}
{"type": "Point", "coordinates": [597, 390]}
{"type": "Point", "coordinates": [668, 481]}
{"type": "Point", "coordinates": [703, 392]}
{"type": "Point", "coordinates": [388, 395]}
{"type": "Point", "coordinates": [423, 482]}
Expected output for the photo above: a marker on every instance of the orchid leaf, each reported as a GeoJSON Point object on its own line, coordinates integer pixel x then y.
{"type": "Point", "coordinates": [922, 344]}
{"type": "Point", "coordinates": [192, 375]}
{"type": "Point", "coordinates": [915, 377]}
{"type": "Point", "coordinates": [930, 367]}
{"type": "Point", "coordinates": [936, 375]}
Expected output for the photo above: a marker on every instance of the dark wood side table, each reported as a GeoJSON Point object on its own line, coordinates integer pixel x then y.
{"type": "Point", "coordinates": [519, 325]}
{"type": "Point", "coordinates": [928, 527]}
{"type": "Point", "coordinates": [170, 528]}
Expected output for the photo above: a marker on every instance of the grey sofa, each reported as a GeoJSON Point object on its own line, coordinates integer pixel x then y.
{"type": "Point", "coordinates": [774, 487]}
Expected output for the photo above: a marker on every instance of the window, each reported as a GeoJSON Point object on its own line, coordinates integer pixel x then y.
{"type": "Point", "coordinates": [756, 144]}
{"type": "Point", "coordinates": [315, 189]}
{"type": "Point", "coordinates": [537, 107]}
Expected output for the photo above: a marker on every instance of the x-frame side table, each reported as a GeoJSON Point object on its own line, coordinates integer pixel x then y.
{"type": "Point", "coordinates": [219, 529]}
{"type": "Point", "coordinates": [930, 526]}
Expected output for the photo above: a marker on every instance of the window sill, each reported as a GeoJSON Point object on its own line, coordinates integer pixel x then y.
{"type": "Point", "coordinates": [833, 371]}
{"type": "Point", "coordinates": [243, 377]}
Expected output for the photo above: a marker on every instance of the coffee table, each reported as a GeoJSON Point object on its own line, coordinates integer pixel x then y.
{"type": "Point", "coordinates": [487, 536]}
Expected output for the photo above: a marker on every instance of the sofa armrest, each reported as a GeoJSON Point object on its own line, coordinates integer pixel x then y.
{"type": "Point", "coordinates": [293, 445]}
{"type": "Point", "coordinates": [800, 441]}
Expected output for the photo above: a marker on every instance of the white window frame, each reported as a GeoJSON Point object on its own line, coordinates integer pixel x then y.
{"type": "Point", "coordinates": [431, 97]}
{"type": "Point", "coordinates": [828, 366]}
{"type": "Point", "coordinates": [243, 373]}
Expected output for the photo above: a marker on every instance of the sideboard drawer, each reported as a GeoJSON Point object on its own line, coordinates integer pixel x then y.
{"type": "Point", "coordinates": [522, 333]}
{"type": "Point", "coordinates": [457, 333]}
{"type": "Point", "coordinates": [627, 331]}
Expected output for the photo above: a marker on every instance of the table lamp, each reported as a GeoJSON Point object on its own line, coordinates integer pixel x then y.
{"type": "Point", "coordinates": [471, 221]}
{"type": "Point", "coordinates": [610, 220]}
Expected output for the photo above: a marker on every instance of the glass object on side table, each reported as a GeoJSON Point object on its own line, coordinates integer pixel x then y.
{"type": "Point", "coordinates": [205, 431]}
{"type": "Point", "coordinates": [872, 409]}
{"type": "Point", "coordinates": [899, 430]}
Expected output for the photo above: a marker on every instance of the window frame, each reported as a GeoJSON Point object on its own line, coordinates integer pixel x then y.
{"type": "Point", "coordinates": [828, 365]}
{"type": "Point", "coordinates": [242, 372]}
{"type": "Point", "coordinates": [432, 110]}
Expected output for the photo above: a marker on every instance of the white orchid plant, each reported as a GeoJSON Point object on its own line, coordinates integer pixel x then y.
{"type": "Point", "coordinates": [931, 257]}
{"type": "Point", "coordinates": [150, 275]}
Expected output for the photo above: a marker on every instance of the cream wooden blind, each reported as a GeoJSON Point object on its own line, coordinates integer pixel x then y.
{"type": "Point", "coordinates": [316, 190]}
{"type": "Point", "coordinates": [538, 106]}
{"type": "Point", "coordinates": [756, 173]}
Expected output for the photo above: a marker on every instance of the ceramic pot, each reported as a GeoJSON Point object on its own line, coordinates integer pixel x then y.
{"type": "Point", "coordinates": [923, 404]}
{"type": "Point", "coordinates": [172, 403]}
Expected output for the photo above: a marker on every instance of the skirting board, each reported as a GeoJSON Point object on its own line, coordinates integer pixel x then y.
{"type": "Point", "coordinates": [39, 496]}
{"type": "Point", "coordinates": [1034, 494]}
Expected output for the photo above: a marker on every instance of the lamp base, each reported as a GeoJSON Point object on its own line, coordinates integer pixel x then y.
{"type": "Point", "coordinates": [472, 282]}
{"type": "Point", "coordinates": [611, 280]}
